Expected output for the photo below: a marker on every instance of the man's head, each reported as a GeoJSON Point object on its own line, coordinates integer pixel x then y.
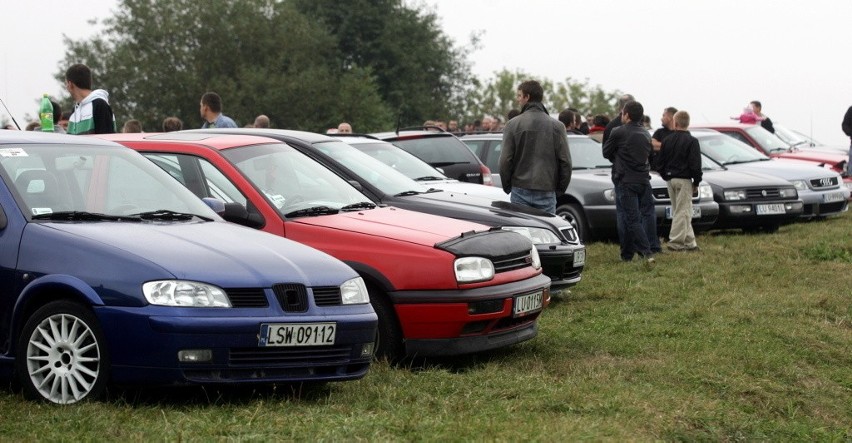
{"type": "Point", "coordinates": [172, 124]}
{"type": "Point", "coordinates": [567, 117]}
{"type": "Point", "coordinates": [530, 91]}
{"type": "Point", "coordinates": [632, 112]}
{"type": "Point", "coordinates": [132, 126]}
{"type": "Point", "coordinates": [453, 126]}
{"type": "Point", "coordinates": [623, 100]}
{"type": "Point", "coordinates": [681, 120]}
{"type": "Point", "coordinates": [512, 114]}
{"type": "Point", "coordinates": [211, 106]}
{"type": "Point", "coordinates": [756, 106]}
{"type": "Point", "coordinates": [57, 112]}
{"type": "Point", "coordinates": [344, 128]}
{"type": "Point", "coordinates": [668, 115]}
{"type": "Point", "coordinates": [486, 123]}
{"type": "Point", "coordinates": [261, 121]}
{"type": "Point", "coordinates": [78, 81]}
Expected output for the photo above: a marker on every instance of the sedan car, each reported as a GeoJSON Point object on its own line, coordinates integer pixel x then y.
{"type": "Point", "coordinates": [821, 190]}
{"type": "Point", "coordinates": [115, 273]}
{"type": "Point", "coordinates": [442, 150]}
{"type": "Point", "coordinates": [440, 286]}
{"type": "Point", "coordinates": [561, 252]}
{"type": "Point", "coordinates": [589, 201]}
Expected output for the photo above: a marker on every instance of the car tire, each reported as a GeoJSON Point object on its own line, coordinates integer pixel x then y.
{"type": "Point", "coordinates": [573, 213]}
{"type": "Point", "coordinates": [389, 340]}
{"type": "Point", "coordinates": [61, 356]}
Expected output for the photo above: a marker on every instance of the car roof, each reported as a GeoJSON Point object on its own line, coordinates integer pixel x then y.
{"type": "Point", "coordinates": [38, 137]}
{"type": "Point", "coordinates": [736, 125]}
{"type": "Point", "coordinates": [415, 133]}
{"type": "Point", "coordinates": [199, 137]}
{"type": "Point", "coordinates": [357, 139]}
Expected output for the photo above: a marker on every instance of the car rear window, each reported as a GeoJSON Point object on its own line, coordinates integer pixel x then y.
{"type": "Point", "coordinates": [437, 149]}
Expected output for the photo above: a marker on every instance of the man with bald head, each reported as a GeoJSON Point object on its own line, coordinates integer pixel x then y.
{"type": "Point", "coordinates": [344, 128]}
{"type": "Point", "coordinates": [261, 121]}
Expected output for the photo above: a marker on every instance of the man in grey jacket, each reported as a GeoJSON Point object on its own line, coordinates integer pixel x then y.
{"type": "Point", "coordinates": [535, 165]}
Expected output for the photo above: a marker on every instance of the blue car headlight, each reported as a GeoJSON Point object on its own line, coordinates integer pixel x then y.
{"type": "Point", "coordinates": [353, 292]}
{"type": "Point", "coordinates": [474, 269]}
{"type": "Point", "coordinates": [185, 293]}
{"type": "Point", "coordinates": [538, 236]}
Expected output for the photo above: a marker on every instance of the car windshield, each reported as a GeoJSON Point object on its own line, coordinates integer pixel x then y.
{"type": "Point", "coordinates": [586, 153]}
{"type": "Point", "coordinates": [293, 182]}
{"type": "Point", "coordinates": [438, 150]}
{"type": "Point", "coordinates": [387, 179]}
{"type": "Point", "coordinates": [707, 164]}
{"type": "Point", "coordinates": [769, 142]}
{"type": "Point", "coordinates": [91, 182]}
{"type": "Point", "coordinates": [727, 150]}
{"type": "Point", "coordinates": [400, 160]}
{"type": "Point", "coordinates": [789, 137]}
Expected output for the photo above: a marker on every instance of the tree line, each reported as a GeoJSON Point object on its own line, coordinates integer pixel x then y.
{"type": "Point", "coordinates": [307, 64]}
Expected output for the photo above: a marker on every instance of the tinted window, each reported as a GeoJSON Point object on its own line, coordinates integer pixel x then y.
{"type": "Point", "coordinates": [586, 154]}
{"type": "Point", "coordinates": [440, 149]}
{"type": "Point", "coordinates": [726, 150]}
{"type": "Point", "coordinates": [768, 141]}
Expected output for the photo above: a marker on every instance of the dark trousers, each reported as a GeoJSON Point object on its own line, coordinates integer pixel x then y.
{"type": "Point", "coordinates": [634, 204]}
{"type": "Point", "coordinates": [649, 224]}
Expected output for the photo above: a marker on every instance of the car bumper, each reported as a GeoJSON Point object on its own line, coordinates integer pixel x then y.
{"type": "Point", "coordinates": [144, 343]}
{"type": "Point", "coordinates": [562, 263]}
{"type": "Point", "coordinates": [469, 320]}
{"type": "Point", "coordinates": [744, 214]}
{"type": "Point", "coordinates": [709, 214]}
{"type": "Point", "coordinates": [824, 203]}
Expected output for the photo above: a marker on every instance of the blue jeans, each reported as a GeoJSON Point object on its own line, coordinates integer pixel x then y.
{"type": "Point", "coordinates": [635, 202]}
{"type": "Point", "coordinates": [849, 162]}
{"type": "Point", "coordinates": [649, 224]}
{"type": "Point", "coordinates": [544, 200]}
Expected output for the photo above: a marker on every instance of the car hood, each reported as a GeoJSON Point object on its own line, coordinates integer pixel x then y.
{"type": "Point", "coordinates": [786, 169]}
{"type": "Point", "coordinates": [214, 252]}
{"type": "Point", "coordinates": [604, 175]}
{"type": "Point", "coordinates": [472, 189]}
{"type": "Point", "coordinates": [486, 210]}
{"type": "Point", "coordinates": [741, 179]}
{"type": "Point", "coordinates": [397, 224]}
{"type": "Point", "coordinates": [815, 156]}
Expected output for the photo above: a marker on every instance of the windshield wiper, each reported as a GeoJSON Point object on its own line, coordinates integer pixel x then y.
{"type": "Point", "coordinates": [313, 211]}
{"type": "Point", "coordinates": [432, 190]}
{"type": "Point", "coordinates": [440, 164]}
{"type": "Point", "coordinates": [83, 216]}
{"type": "Point", "coordinates": [357, 206]}
{"type": "Point", "coordinates": [429, 178]}
{"type": "Point", "coordinates": [166, 214]}
{"type": "Point", "coordinates": [778, 150]}
{"type": "Point", "coordinates": [407, 193]}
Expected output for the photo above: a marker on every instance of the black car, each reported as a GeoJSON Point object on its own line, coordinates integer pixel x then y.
{"type": "Point", "coordinates": [442, 150]}
{"type": "Point", "coordinates": [557, 242]}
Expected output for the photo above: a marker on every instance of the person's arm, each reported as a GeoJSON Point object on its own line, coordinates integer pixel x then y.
{"type": "Point", "coordinates": [610, 146]}
{"type": "Point", "coordinates": [102, 118]}
{"type": "Point", "coordinates": [694, 162]}
{"type": "Point", "coordinates": [847, 122]}
{"type": "Point", "coordinates": [563, 156]}
{"type": "Point", "coordinates": [507, 157]}
{"type": "Point", "coordinates": [767, 124]}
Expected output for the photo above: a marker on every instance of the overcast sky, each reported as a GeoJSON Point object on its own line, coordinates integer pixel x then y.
{"type": "Point", "coordinates": [709, 57]}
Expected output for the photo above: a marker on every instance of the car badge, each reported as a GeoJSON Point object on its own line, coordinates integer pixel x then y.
{"type": "Point", "coordinates": [763, 193]}
{"type": "Point", "coordinates": [825, 181]}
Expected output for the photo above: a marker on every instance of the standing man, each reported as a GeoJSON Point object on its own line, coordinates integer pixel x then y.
{"type": "Point", "coordinates": [668, 128]}
{"type": "Point", "coordinates": [764, 120]}
{"type": "Point", "coordinates": [261, 121]}
{"type": "Point", "coordinates": [92, 113]}
{"type": "Point", "coordinates": [847, 129]}
{"type": "Point", "coordinates": [679, 163]}
{"type": "Point", "coordinates": [535, 163]}
{"type": "Point", "coordinates": [616, 121]}
{"type": "Point", "coordinates": [569, 119]}
{"type": "Point", "coordinates": [628, 148]}
{"type": "Point", "coordinates": [211, 112]}
{"type": "Point", "coordinates": [344, 128]}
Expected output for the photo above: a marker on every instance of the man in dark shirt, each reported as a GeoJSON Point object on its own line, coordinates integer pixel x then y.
{"type": "Point", "coordinates": [764, 120]}
{"type": "Point", "coordinates": [679, 163]}
{"type": "Point", "coordinates": [847, 129]}
{"type": "Point", "coordinates": [628, 148]}
{"type": "Point", "coordinates": [665, 131]}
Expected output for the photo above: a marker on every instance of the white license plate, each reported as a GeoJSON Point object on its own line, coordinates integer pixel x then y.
{"type": "Point", "coordinates": [777, 208]}
{"type": "Point", "coordinates": [832, 197]}
{"type": "Point", "coordinates": [696, 212]}
{"type": "Point", "coordinates": [527, 304]}
{"type": "Point", "coordinates": [579, 258]}
{"type": "Point", "coordinates": [297, 334]}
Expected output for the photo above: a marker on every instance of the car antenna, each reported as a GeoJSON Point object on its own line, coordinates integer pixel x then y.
{"type": "Point", "coordinates": [398, 119]}
{"type": "Point", "coordinates": [10, 114]}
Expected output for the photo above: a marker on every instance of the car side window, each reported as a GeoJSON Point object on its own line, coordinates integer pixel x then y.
{"type": "Point", "coordinates": [476, 146]}
{"type": "Point", "coordinates": [220, 186]}
{"type": "Point", "coordinates": [738, 136]}
{"type": "Point", "coordinates": [494, 150]}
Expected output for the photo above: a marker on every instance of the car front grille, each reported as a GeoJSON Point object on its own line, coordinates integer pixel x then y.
{"type": "Point", "coordinates": [247, 297]}
{"type": "Point", "coordinates": [301, 356]}
{"type": "Point", "coordinates": [327, 296]}
{"type": "Point", "coordinates": [661, 194]}
{"type": "Point", "coordinates": [763, 194]}
{"type": "Point", "coordinates": [291, 296]}
{"type": "Point", "coordinates": [570, 234]}
{"type": "Point", "coordinates": [825, 182]}
{"type": "Point", "coordinates": [510, 263]}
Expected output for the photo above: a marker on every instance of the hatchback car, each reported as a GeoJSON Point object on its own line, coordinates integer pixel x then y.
{"type": "Point", "coordinates": [114, 273]}
{"type": "Point", "coordinates": [439, 286]}
{"type": "Point", "coordinates": [589, 201]}
{"type": "Point", "coordinates": [821, 190]}
{"type": "Point", "coordinates": [441, 150]}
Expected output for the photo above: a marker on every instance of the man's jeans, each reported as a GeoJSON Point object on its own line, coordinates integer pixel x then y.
{"type": "Point", "coordinates": [635, 202]}
{"type": "Point", "coordinates": [649, 224]}
{"type": "Point", "coordinates": [544, 200]}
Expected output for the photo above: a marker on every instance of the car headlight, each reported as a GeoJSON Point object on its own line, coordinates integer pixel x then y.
{"type": "Point", "coordinates": [801, 185]}
{"type": "Point", "coordinates": [474, 269]}
{"type": "Point", "coordinates": [353, 292]}
{"type": "Point", "coordinates": [788, 193]}
{"type": "Point", "coordinates": [609, 195]}
{"type": "Point", "coordinates": [735, 195]}
{"type": "Point", "coordinates": [185, 293]}
{"type": "Point", "coordinates": [538, 236]}
{"type": "Point", "coordinates": [536, 260]}
{"type": "Point", "coordinates": [705, 191]}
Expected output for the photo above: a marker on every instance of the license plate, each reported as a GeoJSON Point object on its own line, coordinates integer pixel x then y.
{"type": "Point", "coordinates": [771, 209]}
{"type": "Point", "coordinates": [527, 304]}
{"type": "Point", "coordinates": [832, 197]}
{"type": "Point", "coordinates": [297, 334]}
{"type": "Point", "coordinates": [696, 212]}
{"type": "Point", "coordinates": [579, 258]}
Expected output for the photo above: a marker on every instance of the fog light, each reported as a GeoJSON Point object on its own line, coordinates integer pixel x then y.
{"type": "Point", "coordinates": [740, 209]}
{"type": "Point", "coordinates": [367, 350]}
{"type": "Point", "coordinates": [795, 205]}
{"type": "Point", "coordinates": [195, 355]}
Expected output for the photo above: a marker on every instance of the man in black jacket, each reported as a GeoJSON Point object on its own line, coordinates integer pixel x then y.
{"type": "Point", "coordinates": [628, 147]}
{"type": "Point", "coordinates": [679, 163]}
{"type": "Point", "coordinates": [847, 129]}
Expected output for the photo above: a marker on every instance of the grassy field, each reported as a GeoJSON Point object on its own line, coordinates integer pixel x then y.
{"type": "Point", "coordinates": [749, 339]}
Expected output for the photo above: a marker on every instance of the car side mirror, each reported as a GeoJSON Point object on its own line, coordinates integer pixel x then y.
{"type": "Point", "coordinates": [3, 220]}
{"type": "Point", "coordinates": [356, 184]}
{"type": "Point", "coordinates": [237, 213]}
{"type": "Point", "coordinates": [218, 206]}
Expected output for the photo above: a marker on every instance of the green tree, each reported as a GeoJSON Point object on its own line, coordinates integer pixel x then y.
{"type": "Point", "coordinates": [157, 57]}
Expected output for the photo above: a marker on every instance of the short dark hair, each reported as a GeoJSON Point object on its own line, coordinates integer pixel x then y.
{"type": "Point", "coordinates": [601, 120]}
{"type": "Point", "coordinates": [132, 125]}
{"type": "Point", "coordinates": [757, 103]}
{"type": "Point", "coordinates": [212, 101]}
{"type": "Point", "coordinates": [172, 124]}
{"type": "Point", "coordinates": [623, 100]}
{"type": "Point", "coordinates": [57, 112]}
{"type": "Point", "coordinates": [80, 75]}
{"type": "Point", "coordinates": [513, 113]}
{"type": "Point", "coordinates": [567, 117]}
{"type": "Point", "coordinates": [635, 111]}
{"type": "Point", "coordinates": [533, 89]}
{"type": "Point", "coordinates": [671, 110]}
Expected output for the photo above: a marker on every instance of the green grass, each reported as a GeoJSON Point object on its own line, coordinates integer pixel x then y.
{"type": "Point", "coordinates": [749, 339]}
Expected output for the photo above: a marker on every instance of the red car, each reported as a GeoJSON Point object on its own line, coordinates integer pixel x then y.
{"type": "Point", "coordinates": [771, 145]}
{"type": "Point", "coordinates": [440, 286]}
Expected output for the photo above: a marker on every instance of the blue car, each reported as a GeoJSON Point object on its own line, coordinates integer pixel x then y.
{"type": "Point", "coordinates": [113, 272]}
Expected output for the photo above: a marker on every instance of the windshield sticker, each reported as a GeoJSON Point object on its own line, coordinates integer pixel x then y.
{"type": "Point", "coordinates": [40, 211]}
{"type": "Point", "coordinates": [13, 152]}
{"type": "Point", "coordinates": [277, 199]}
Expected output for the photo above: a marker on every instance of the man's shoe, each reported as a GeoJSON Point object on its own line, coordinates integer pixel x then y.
{"type": "Point", "coordinates": [693, 248]}
{"type": "Point", "coordinates": [650, 262]}
{"type": "Point", "coordinates": [673, 247]}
